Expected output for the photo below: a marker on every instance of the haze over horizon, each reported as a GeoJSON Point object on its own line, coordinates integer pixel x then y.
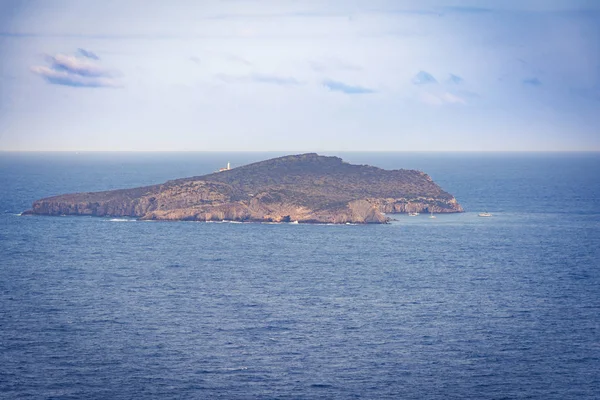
{"type": "Point", "coordinates": [299, 76]}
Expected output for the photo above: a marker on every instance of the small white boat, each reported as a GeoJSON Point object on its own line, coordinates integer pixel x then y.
{"type": "Point", "coordinates": [485, 214]}
{"type": "Point", "coordinates": [413, 214]}
{"type": "Point", "coordinates": [432, 216]}
{"type": "Point", "coordinates": [294, 222]}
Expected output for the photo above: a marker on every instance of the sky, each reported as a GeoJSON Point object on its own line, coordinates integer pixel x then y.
{"type": "Point", "coordinates": [299, 75]}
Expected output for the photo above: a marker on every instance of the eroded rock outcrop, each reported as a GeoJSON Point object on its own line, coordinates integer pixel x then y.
{"type": "Point", "coordinates": [304, 188]}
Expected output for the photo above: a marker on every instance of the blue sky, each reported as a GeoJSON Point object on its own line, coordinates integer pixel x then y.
{"type": "Point", "coordinates": [299, 75]}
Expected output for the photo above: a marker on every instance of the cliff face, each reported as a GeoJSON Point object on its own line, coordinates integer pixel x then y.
{"type": "Point", "coordinates": [304, 188]}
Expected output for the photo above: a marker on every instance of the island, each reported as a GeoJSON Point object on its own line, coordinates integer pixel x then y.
{"type": "Point", "coordinates": [304, 188]}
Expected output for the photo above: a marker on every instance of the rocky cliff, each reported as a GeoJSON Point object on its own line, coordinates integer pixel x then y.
{"type": "Point", "coordinates": [304, 188]}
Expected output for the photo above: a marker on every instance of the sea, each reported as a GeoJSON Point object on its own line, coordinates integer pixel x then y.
{"type": "Point", "coordinates": [453, 307]}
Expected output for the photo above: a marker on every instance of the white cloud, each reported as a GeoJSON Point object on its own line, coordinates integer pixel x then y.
{"type": "Point", "coordinates": [70, 79]}
{"type": "Point", "coordinates": [76, 71]}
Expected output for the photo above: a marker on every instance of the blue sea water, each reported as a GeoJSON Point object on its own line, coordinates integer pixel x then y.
{"type": "Point", "coordinates": [455, 307]}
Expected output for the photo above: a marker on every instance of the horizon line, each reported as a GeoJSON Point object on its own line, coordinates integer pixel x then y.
{"type": "Point", "coordinates": [299, 151]}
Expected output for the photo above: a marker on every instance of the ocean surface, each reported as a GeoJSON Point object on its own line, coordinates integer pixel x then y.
{"type": "Point", "coordinates": [456, 307]}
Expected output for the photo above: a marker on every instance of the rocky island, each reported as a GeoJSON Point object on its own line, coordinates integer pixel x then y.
{"type": "Point", "coordinates": [307, 188]}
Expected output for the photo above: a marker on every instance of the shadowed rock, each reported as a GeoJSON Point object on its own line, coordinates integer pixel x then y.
{"type": "Point", "coordinates": [304, 188]}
